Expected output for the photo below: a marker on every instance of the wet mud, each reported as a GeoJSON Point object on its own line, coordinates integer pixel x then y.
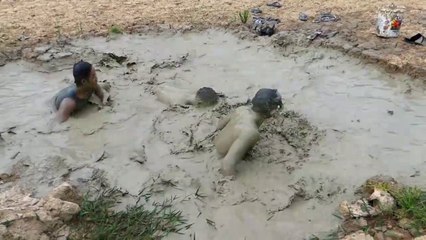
{"type": "Point", "coordinates": [334, 131]}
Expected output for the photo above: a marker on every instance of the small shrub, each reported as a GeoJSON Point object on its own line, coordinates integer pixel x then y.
{"type": "Point", "coordinates": [115, 30]}
{"type": "Point", "coordinates": [244, 16]}
{"type": "Point", "coordinates": [412, 204]}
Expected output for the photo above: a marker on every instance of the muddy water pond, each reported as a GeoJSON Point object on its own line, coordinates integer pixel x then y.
{"type": "Point", "coordinates": [343, 121]}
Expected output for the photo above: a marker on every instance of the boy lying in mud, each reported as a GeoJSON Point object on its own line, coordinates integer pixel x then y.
{"type": "Point", "coordinates": [205, 96]}
{"type": "Point", "coordinates": [76, 96]}
{"type": "Point", "coordinates": [239, 131]}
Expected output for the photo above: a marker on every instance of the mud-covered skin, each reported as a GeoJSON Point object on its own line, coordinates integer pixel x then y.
{"type": "Point", "coordinates": [239, 131]}
{"type": "Point", "coordinates": [238, 136]}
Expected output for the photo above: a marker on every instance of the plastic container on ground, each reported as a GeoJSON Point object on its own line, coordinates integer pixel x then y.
{"type": "Point", "coordinates": [389, 21]}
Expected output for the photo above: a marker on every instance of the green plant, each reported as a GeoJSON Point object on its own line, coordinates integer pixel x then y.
{"type": "Point", "coordinates": [244, 16]}
{"type": "Point", "coordinates": [98, 221]}
{"type": "Point", "coordinates": [384, 186]}
{"type": "Point", "coordinates": [412, 204]}
{"type": "Point", "coordinates": [115, 30]}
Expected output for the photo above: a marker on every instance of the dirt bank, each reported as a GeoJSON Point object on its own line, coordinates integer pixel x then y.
{"type": "Point", "coordinates": [25, 23]}
{"type": "Point", "coordinates": [343, 122]}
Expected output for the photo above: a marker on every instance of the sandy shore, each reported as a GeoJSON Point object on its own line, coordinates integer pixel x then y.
{"type": "Point", "coordinates": [40, 20]}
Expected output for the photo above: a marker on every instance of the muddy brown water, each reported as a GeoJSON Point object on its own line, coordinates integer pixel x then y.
{"type": "Point", "coordinates": [372, 123]}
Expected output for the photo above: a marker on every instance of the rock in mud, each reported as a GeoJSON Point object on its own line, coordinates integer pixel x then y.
{"type": "Point", "coordinates": [359, 208]}
{"type": "Point", "coordinates": [384, 200]}
{"type": "Point", "coordinates": [63, 210]}
{"type": "Point", "coordinates": [405, 223]}
{"type": "Point", "coordinates": [25, 217]}
{"type": "Point", "coordinates": [45, 57]}
{"type": "Point", "coordinates": [395, 235]}
{"type": "Point", "coordinates": [66, 192]}
{"type": "Point", "coordinates": [62, 55]}
{"type": "Point", "coordinates": [420, 238]}
{"type": "Point", "coordinates": [380, 182]}
{"type": "Point", "coordinates": [353, 225]}
{"type": "Point", "coordinates": [360, 235]}
{"type": "Point", "coordinates": [42, 49]}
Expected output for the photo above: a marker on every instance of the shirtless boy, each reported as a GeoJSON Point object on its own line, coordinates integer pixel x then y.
{"type": "Point", "coordinates": [239, 131]}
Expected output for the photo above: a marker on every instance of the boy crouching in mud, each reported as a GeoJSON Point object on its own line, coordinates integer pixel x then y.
{"type": "Point", "coordinates": [239, 131]}
{"type": "Point", "coordinates": [76, 96]}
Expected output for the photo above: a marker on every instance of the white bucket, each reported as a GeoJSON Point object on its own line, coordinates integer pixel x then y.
{"type": "Point", "coordinates": [389, 22]}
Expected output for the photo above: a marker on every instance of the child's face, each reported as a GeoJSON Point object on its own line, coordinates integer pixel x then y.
{"type": "Point", "coordinates": [92, 79]}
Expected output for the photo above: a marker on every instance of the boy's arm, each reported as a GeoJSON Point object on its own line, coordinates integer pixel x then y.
{"type": "Point", "coordinates": [99, 93]}
{"type": "Point", "coordinates": [65, 109]}
{"type": "Point", "coordinates": [222, 122]}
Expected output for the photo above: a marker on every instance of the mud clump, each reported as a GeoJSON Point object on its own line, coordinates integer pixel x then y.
{"type": "Point", "coordinates": [111, 60]}
{"type": "Point", "coordinates": [296, 130]}
{"type": "Point", "coordinates": [171, 63]}
{"type": "Point", "coordinates": [5, 178]}
{"type": "Point", "coordinates": [286, 136]}
{"type": "Point", "coordinates": [25, 217]}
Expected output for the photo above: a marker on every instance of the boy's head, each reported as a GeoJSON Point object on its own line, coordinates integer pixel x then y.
{"type": "Point", "coordinates": [83, 72]}
{"type": "Point", "coordinates": [206, 96]}
{"type": "Point", "coordinates": [266, 100]}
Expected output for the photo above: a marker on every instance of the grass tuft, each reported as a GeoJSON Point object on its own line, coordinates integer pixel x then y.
{"type": "Point", "coordinates": [98, 221]}
{"type": "Point", "coordinates": [115, 30]}
{"type": "Point", "coordinates": [244, 16]}
{"type": "Point", "coordinates": [412, 204]}
{"type": "Point", "coordinates": [384, 186]}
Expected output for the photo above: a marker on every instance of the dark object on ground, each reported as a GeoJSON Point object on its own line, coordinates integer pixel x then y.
{"type": "Point", "coordinates": [327, 17]}
{"type": "Point", "coordinates": [274, 4]}
{"type": "Point", "coordinates": [118, 59]}
{"type": "Point", "coordinates": [303, 17]}
{"type": "Point", "coordinates": [314, 35]}
{"type": "Point", "coordinates": [111, 60]}
{"type": "Point", "coordinates": [256, 11]}
{"type": "Point", "coordinates": [206, 96]}
{"type": "Point", "coordinates": [390, 112]}
{"type": "Point", "coordinates": [323, 34]}
{"type": "Point", "coordinates": [273, 20]}
{"type": "Point", "coordinates": [418, 39]}
{"type": "Point", "coordinates": [266, 100]}
{"type": "Point", "coordinates": [265, 27]}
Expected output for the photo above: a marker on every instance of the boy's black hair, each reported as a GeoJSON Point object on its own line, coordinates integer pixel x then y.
{"type": "Point", "coordinates": [207, 96]}
{"type": "Point", "coordinates": [266, 100]}
{"type": "Point", "coordinates": [81, 70]}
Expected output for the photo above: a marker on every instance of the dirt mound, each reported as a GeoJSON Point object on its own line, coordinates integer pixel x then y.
{"type": "Point", "coordinates": [390, 211]}
{"type": "Point", "coordinates": [285, 136]}
{"type": "Point", "coordinates": [24, 217]}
